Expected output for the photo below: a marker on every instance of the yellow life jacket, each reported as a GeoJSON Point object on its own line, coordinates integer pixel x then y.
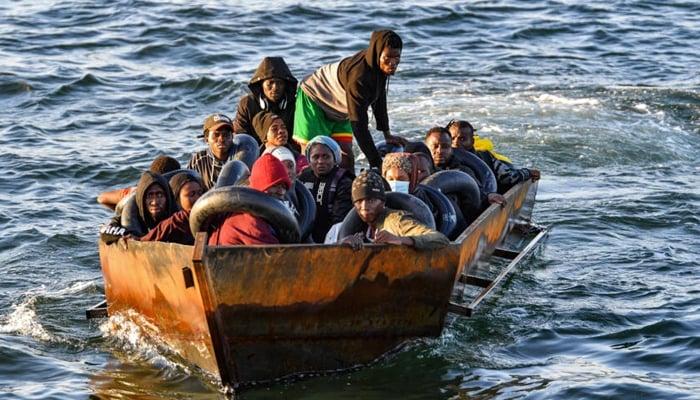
{"type": "Point", "coordinates": [487, 145]}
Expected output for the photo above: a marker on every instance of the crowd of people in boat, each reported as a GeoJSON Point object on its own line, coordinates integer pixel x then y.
{"type": "Point", "coordinates": [288, 134]}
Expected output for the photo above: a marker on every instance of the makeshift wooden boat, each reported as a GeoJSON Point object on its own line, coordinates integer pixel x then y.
{"type": "Point", "coordinates": [259, 313]}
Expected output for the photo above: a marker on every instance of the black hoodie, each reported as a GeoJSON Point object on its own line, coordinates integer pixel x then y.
{"type": "Point", "coordinates": [255, 101]}
{"type": "Point", "coordinates": [139, 224]}
{"type": "Point", "coordinates": [364, 84]}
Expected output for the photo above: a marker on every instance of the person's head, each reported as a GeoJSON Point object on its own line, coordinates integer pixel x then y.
{"type": "Point", "coordinates": [154, 198]}
{"type": "Point", "coordinates": [273, 83]}
{"type": "Point", "coordinates": [287, 157]}
{"type": "Point", "coordinates": [186, 188]}
{"type": "Point", "coordinates": [273, 88]}
{"type": "Point", "coordinates": [163, 164]}
{"type": "Point", "coordinates": [368, 196]}
{"type": "Point", "coordinates": [270, 128]}
{"type": "Point", "coordinates": [399, 171]}
{"type": "Point", "coordinates": [323, 154]}
{"type": "Point", "coordinates": [386, 46]}
{"type": "Point", "coordinates": [462, 133]}
{"type": "Point", "coordinates": [439, 142]}
{"type": "Point", "coordinates": [269, 175]}
{"type": "Point", "coordinates": [218, 133]}
{"type": "Point", "coordinates": [424, 167]}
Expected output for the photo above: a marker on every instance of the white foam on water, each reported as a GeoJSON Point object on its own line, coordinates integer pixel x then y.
{"type": "Point", "coordinates": [23, 320]}
{"type": "Point", "coordinates": [141, 340]}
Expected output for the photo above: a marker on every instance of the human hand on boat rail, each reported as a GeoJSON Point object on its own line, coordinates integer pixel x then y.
{"type": "Point", "coordinates": [355, 241]}
{"type": "Point", "coordinates": [495, 198]}
{"type": "Point", "coordinates": [124, 240]}
{"type": "Point", "coordinates": [384, 237]}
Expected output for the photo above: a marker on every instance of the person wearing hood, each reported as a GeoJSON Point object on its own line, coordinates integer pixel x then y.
{"type": "Point", "coordinates": [272, 89]}
{"type": "Point", "coordinates": [335, 99]}
{"type": "Point", "coordinates": [329, 184]}
{"type": "Point", "coordinates": [269, 176]}
{"type": "Point", "coordinates": [154, 202]}
{"type": "Point", "coordinates": [160, 165]}
{"type": "Point", "coordinates": [272, 131]}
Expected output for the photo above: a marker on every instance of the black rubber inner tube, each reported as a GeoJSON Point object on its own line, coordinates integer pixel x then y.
{"type": "Point", "coordinates": [244, 199]}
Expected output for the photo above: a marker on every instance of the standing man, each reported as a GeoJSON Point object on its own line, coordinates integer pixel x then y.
{"type": "Point", "coordinates": [334, 100]}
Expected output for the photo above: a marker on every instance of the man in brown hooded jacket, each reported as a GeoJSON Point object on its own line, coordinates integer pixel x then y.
{"type": "Point", "coordinates": [272, 89]}
{"type": "Point", "coordinates": [334, 100]}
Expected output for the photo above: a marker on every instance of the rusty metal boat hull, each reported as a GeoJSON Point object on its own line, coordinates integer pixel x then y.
{"type": "Point", "coordinates": [259, 313]}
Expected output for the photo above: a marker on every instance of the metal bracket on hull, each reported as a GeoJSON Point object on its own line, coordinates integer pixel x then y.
{"type": "Point", "coordinates": [99, 310]}
{"type": "Point", "coordinates": [490, 284]}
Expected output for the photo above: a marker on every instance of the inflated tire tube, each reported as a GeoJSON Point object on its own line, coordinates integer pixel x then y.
{"type": "Point", "coordinates": [446, 220]}
{"type": "Point", "coordinates": [483, 173]}
{"type": "Point", "coordinates": [462, 186]}
{"type": "Point", "coordinates": [247, 149]}
{"type": "Point", "coordinates": [398, 201]}
{"type": "Point", "coordinates": [231, 173]}
{"type": "Point", "coordinates": [306, 205]}
{"type": "Point", "coordinates": [385, 148]}
{"type": "Point", "coordinates": [130, 218]}
{"type": "Point", "coordinates": [244, 199]}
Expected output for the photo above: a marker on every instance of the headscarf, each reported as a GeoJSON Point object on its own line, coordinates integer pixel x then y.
{"type": "Point", "coordinates": [405, 161]}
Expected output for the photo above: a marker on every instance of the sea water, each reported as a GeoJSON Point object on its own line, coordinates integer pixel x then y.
{"type": "Point", "coordinates": [602, 97]}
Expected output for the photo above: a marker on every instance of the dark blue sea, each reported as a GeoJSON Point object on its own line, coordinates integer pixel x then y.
{"type": "Point", "coordinates": [602, 96]}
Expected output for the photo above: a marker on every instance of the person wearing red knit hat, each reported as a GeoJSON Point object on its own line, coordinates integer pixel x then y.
{"type": "Point", "coordinates": [269, 176]}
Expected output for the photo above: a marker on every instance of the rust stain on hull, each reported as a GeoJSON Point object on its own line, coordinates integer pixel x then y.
{"type": "Point", "coordinates": [257, 313]}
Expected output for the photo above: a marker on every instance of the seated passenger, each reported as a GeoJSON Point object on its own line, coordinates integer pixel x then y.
{"type": "Point", "coordinates": [286, 156]}
{"type": "Point", "coordinates": [439, 141]}
{"type": "Point", "coordinates": [270, 128]}
{"type": "Point", "coordinates": [160, 165]}
{"type": "Point", "coordinates": [186, 189]}
{"type": "Point", "coordinates": [506, 174]}
{"type": "Point", "coordinates": [385, 225]}
{"type": "Point", "coordinates": [269, 176]}
{"type": "Point", "coordinates": [425, 167]}
{"type": "Point", "coordinates": [218, 134]}
{"type": "Point", "coordinates": [273, 89]}
{"type": "Point", "coordinates": [329, 184]}
{"type": "Point", "coordinates": [154, 202]}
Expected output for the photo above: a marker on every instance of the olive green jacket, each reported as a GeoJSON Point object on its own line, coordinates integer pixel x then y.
{"type": "Point", "coordinates": [401, 223]}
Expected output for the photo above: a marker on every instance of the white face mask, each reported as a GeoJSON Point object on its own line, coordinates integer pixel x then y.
{"type": "Point", "coordinates": [399, 186]}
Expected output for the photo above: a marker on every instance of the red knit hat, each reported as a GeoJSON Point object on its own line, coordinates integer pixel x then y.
{"type": "Point", "coordinates": [268, 171]}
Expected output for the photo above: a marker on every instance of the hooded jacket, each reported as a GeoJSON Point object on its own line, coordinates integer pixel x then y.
{"type": "Point", "coordinates": [111, 232]}
{"type": "Point", "coordinates": [147, 179]}
{"type": "Point", "coordinates": [255, 101]}
{"type": "Point", "coordinates": [365, 86]}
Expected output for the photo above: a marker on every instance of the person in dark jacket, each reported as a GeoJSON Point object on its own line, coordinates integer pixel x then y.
{"type": "Point", "coordinates": [269, 176]}
{"type": "Point", "coordinates": [154, 202]}
{"type": "Point", "coordinates": [273, 89]}
{"type": "Point", "coordinates": [507, 175]}
{"type": "Point", "coordinates": [271, 129]}
{"type": "Point", "coordinates": [329, 184]}
{"type": "Point", "coordinates": [160, 165]}
{"type": "Point", "coordinates": [218, 134]}
{"type": "Point", "coordinates": [439, 141]}
{"type": "Point", "coordinates": [186, 188]}
{"type": "Point", "coordinates": [334, 100]}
